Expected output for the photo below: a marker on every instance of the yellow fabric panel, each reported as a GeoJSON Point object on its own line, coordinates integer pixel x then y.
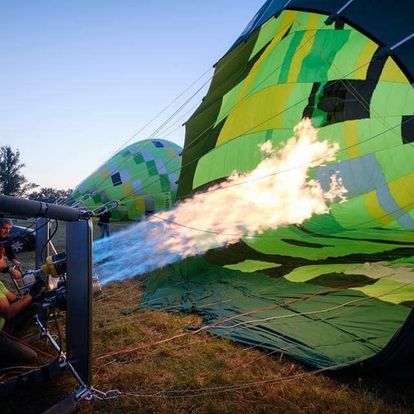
{"type": "Point", "coordinates": [310, 21]}
{"type": "Point", "coordinates": [249, 266]}
{"type": "Point", "coordinates": [105, 174]}
{"type": "Point", "coordinates": [281, 24]}
{"type": "Point", "coordinates": [128, 189]}
{"type": "Point", "coordinates": [306, 273]}
{"type": "Point", "coordinates": [352, 60]}
{"type": "Point", "coordinates": [304, 47]}
{"type": "Point", "coordinates": [363, 61]}
{"type": "Point", "coordinates": [258, 112]}
{"type": "Point", "coordinates": [351, 139]}
{"type": "Point", "coordinates": [228, 102]}
{"type": "Point", "coordinates": [140, 203]}
{"type": "Point", "coordinates": [402, 191]}
{"type": "Point", "coordinates": [171, 152]}
{"type": "Point", "coordinates": [392, 72]}
{"type": "Point", "coordinates": [374, 208]}
{"type": "Point", "coordinates": [289, 18]}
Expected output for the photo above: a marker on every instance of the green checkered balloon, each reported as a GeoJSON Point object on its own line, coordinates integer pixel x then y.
{"type": "Point", "coordinates": [142, 178]}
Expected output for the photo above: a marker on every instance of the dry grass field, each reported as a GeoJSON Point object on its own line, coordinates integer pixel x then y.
{"type": "Point", "coordinates": [164, 368]}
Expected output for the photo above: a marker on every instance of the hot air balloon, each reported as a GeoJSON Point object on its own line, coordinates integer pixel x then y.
{"type": "Point", "coordinates": [139, 179]}
{"type": "Point", "coordinates": [338, 290]}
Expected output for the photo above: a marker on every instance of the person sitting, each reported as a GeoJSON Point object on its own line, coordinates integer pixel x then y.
{"type": "Point", "coordinates": [16, 316]}
{"type": "Point", "coordinates": [6, 252]}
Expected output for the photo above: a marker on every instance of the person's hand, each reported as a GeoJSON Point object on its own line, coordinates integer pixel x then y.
{"type": "Point", "coordinates": [17, 264]}
{"type": "Point", "coordinates": [3, 262]}
{"type": "Point", "coordinates": [36, 290]}
{"type": "Point", "coordinates": [14, 273]}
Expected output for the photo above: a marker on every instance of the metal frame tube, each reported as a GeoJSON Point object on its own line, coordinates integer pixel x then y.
{"type": "Point", "coordinates": [31, 208]}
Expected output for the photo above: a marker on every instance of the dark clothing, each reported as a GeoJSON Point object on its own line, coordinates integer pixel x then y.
{"type": "Point", "coordinates": [13, 352]}
{"type": "Point", "coordinates": [104, 217]}
{"type": "Point", "coordinates": [5, 249]}
{"type": "Point", "coordinates": [23, 320]}
{"type": "Point", "coordinates": [103, 223]}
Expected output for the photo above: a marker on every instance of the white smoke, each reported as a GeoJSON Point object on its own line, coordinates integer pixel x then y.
{"type": "Point", "coordinates": [278, 192]}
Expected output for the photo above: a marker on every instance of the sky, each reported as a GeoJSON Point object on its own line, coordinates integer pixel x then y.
{"type": "Point", "coordinates": [80, 79]}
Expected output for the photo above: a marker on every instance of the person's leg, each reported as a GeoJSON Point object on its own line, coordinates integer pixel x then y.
{"type": "Point", "coordinates": [20, 323]}
{"type": "Point", "coordinates": [13, 353]}
{"type": "Point", "coordinates": [107, 232]}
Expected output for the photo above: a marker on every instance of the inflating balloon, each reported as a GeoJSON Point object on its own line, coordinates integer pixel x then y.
{"type": "Point", "coordinates": [337, 289]}
{"type": "Point", "coordinates": [141, 178]}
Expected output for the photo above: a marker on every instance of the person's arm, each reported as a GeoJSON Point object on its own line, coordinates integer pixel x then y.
{"type": "Point", "coordinates": [16, 262]}
{"type": "Point", "coordinates": [11, 297]}
{"type": "Point", "coordinates": [14, 273]}
{"type": "Point", "coordinates": [10, 310]}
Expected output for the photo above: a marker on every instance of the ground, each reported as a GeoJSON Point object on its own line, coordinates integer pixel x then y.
{"type": "Point", "coordinates": [160, 367]}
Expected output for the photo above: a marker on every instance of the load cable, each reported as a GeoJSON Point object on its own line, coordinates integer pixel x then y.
{"type": "Point", "coordinates": [151, 135]}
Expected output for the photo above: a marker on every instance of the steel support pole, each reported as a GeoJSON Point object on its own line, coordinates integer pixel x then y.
{"type": "Point", "coordinates": [79, 296]}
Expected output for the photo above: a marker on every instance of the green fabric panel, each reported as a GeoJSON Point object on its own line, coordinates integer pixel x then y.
{"type": "Point", "coordinates": [165, 183]}
{"type": "Point", "coordinates": [269, 70]}
{"type": "Point", "coordinates": [251, 266]}
{"type": "Point", "coordinates": [228, 102]}
{"type": "Point", "coordinates": [392, 99]}
{"type": "Point", "coordinates": [295, 42]}
{"type": "Point", "coordinates": [389, 291]}
{"type": "Point", "coordinates": [347, 218]}
{"type": "Point", "coordinates": [373, 136]}
{"type": "Point", "coordinates": [153, 185]}
{"type": "Point", "coordinates": [151, 167]}
{"type": "Point", "coordinates": [312, 324]}
{"type": "Point", "coordinates": [319, 117]}
{"type": "Point", "coordinates": [266, 34]}
{"type": "Point", "coordinates": [283, 239]}
{"type": "Point", "coordinates": [305, 273]}
{"type": "Point", "coordinates": [397, 161]}
{"type": "Point", "coordinates": [97, 198]}
{"type": "Point", "coordinates": [297, 102]}
{"type": "Point", "coordinates": [343, 66]}
{"type": "Point", "coordinates": [241, 154]}
{"type": "Point", "coordinates": [162, 200]}
{"type": "Point", "coordinates": [138, 159]}
{"type": "Point", "coordinates": [325, 46]}
{"type": "Point", "coordinates": [323, 223]}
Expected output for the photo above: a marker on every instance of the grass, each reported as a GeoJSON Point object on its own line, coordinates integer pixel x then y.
{"type": "Point", "coordinates": [169, 372]}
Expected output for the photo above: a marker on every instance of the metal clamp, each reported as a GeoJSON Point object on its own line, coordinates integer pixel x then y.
{"type": "Point", "coordinates": [106, 207]}
{"type": "Point", "coordinates": [101, 395]}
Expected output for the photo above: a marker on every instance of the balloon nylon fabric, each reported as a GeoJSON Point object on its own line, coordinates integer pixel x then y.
{"type": "Point", "coordinates": [141, 177]}
{"type": "Point", "coordinates": [350, 271]}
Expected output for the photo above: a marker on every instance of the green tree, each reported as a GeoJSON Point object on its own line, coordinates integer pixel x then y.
{"type": "Point", "coordinates": [12, 181]}
{"type": "Point", "coordinates": [49, 195]}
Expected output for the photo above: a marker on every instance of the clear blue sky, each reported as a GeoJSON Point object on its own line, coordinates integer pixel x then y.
{"type": "Point", "coordinates": [79, 78]}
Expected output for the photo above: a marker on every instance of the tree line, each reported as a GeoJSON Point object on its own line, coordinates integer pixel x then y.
{"type": "Point", "coordinates": [14, 183]}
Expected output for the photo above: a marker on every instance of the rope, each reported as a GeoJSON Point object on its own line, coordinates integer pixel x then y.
{"type": "Point", "coordinates": [218, 71]}
{"type": "Point", "coordinates": [183, 393]}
